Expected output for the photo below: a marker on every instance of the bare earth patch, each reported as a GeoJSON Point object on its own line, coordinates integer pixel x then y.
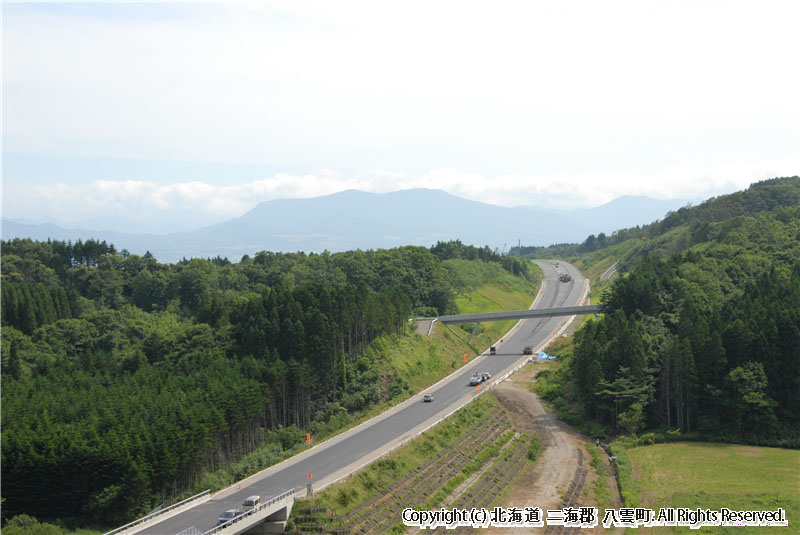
{"type": "Point", "coordinates": [562, 475]}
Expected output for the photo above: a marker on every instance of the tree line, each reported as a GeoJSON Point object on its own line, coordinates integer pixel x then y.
{"type": "Point", "coordinates": [705, 340]}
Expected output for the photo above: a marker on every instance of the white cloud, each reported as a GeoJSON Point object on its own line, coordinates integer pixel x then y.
{"type": "Point", "coordinates": [197, 203]}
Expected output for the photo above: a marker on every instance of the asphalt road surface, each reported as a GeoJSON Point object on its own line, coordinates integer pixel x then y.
{"type": "Point", "coordinates": [327, 459]}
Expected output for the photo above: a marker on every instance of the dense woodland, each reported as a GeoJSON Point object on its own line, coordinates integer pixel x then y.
{"type": "Point", "coordinates": [679, 230]}
{"type": "Point", "coordinates": [125, 379]}
{"type": "Point", "coordinates": [703, 333]}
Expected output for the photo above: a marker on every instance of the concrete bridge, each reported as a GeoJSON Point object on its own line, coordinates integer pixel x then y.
{"type": "Point", "coordinates": [269, 517]}
{"type": "Point", "coordinates": [518, 315]}
{"type": "Point", "coordinates": [521, 314]}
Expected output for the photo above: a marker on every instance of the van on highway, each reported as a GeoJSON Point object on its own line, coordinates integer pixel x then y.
{"type": "Point", "coordinates": [251, 502]}
{"type": "Point", "coordinates": [493, 350]}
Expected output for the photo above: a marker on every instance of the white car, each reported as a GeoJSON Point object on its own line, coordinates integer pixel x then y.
{"type": "Point", "coordinates": [427, 398]}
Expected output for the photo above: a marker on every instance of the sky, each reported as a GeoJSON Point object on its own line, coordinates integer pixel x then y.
{"type": "Point", "coordinates": [175, 115]}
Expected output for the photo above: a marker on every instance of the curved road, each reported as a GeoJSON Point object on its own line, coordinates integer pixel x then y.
{"type": "Point", "coordinates": [338, 456]}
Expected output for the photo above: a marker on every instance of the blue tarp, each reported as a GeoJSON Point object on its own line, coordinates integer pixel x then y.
{"type": "Point", "coordinates": [545, 356]}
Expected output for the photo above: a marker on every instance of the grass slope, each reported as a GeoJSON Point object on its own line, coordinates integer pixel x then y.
{"type": "Point", "coordinates": [499, 291]}
{"type": "Point", "coordinates": [347, 495]}
{"type": "Point", "coordinates": [422, 360]}
{"type": "Point", "coordinates": [712, 476]}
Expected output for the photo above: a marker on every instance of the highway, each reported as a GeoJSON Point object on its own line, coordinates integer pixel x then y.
{"type": "Point", "coordinates": [338, 456]}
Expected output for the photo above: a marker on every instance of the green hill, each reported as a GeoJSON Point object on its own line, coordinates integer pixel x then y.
{"type": "Point", "coordinates": [702, 331]}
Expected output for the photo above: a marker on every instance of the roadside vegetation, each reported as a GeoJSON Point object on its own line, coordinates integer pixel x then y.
{"type": "Point", "coordinates": [141, 383]}
{"type": "Point", "coordinates": [468, 460]}
{"type": "Point", "coordinates": [553, 385]}
{"type": "Point", "coordinates": [602, 491]}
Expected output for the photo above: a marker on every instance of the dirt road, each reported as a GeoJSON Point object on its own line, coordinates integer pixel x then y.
{"type": "Point", "coordinates": [562, 476]}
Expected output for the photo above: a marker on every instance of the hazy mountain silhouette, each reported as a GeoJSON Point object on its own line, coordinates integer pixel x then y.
{"type": "Point", "coordinates": [359, 220]}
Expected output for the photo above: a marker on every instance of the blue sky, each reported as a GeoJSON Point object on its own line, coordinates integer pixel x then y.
{"type": "Point", "coordinates": [185, 113]}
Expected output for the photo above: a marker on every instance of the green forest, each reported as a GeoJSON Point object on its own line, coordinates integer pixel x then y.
{"type": "Point", "coordinates": [125, 380]}
{"type": "Point", "coordinates": [701, 334]}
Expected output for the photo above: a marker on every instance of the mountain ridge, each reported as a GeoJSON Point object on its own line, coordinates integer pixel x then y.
{"type": "Point", "coordinates": [355, 219]}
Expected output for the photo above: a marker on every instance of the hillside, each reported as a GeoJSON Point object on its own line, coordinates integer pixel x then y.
{"type": "Point", "coordinates": [678, 230]}
{"type": "Point", "coordinates": [702, 334]}
{"type": "Point", "coordinates": [136, 381]}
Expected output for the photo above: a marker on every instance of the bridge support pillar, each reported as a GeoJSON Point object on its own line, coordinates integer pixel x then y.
{"type": "Point", "coordinates": [267, 527]}
{"type": "Point", "coordinates": [274, 523]}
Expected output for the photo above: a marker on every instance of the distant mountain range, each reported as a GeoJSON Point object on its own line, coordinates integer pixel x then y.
{"type": "Point", "coordinates": [358, 220]}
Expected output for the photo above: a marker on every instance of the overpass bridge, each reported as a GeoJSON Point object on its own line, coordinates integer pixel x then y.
{"type": "Point", "coordinates": [268, 517]}
{"type": "Point", "coordinates": [517, 315]}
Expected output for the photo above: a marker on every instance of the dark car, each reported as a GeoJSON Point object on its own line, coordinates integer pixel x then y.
{"type": "Point", "coordinates": [228, 515]}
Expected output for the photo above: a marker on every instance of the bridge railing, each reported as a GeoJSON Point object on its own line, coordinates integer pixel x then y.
{"type": "Point", "coordinates": [151, 516]}
{"type": "Point", "coordinates": [251, 512]}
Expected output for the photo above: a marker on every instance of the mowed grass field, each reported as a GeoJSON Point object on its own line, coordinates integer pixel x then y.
{"type": "Point", "coordinates": [712, 476]}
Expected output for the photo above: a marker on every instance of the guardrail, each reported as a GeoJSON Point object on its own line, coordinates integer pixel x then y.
{"type": "Point", "coordinates": [251, 512]}
{"type": "Point", "coordinates": [606, 272]}
{"type": "Point", "coordinates": [151, 516]}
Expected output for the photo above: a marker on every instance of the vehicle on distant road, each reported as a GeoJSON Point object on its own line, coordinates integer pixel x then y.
{"type": "Point", "coordinates": [565, 277]}
{"type": "Point", "coordinates": [528, 350]}
{"type": "Point", "coordinates": [493, 350]}
{"type": "Point", "coordinates": [475, 380]}
{"type": "Point", "coordinates": [427, 398]}
{"type": "Point", "coordinates": [486, 376]}
{"type": "Point", "coordinates": [228, 515]}
{"type": "Point", "coordinates": [251, 502]}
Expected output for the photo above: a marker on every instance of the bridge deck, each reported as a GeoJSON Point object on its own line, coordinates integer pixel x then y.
{"type": "Point", "coordinates": [521, 314]}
